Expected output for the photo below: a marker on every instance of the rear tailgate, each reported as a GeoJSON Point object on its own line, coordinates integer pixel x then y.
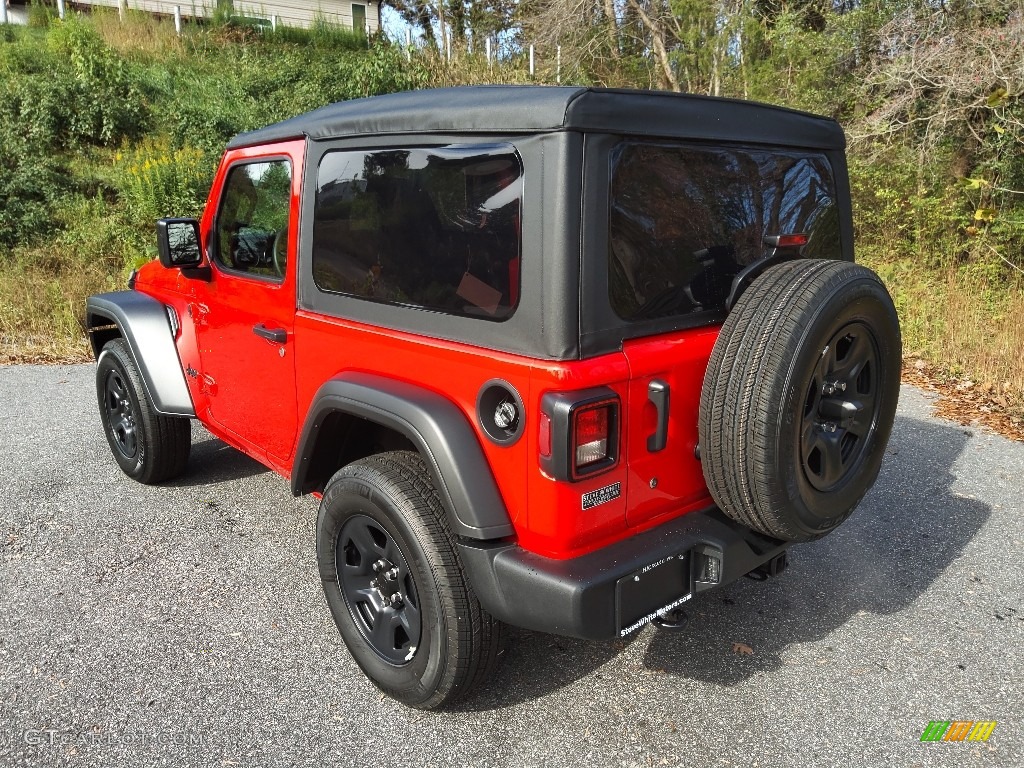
{"type": "Point", "coordinates": [665, 480]}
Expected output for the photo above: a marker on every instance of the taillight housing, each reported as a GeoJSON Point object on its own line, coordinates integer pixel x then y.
{"type": "Point", "coordinates": [579, 433]}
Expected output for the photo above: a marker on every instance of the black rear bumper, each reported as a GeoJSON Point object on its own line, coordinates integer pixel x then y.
{"type": "Point", "coordinates": [619, 588]}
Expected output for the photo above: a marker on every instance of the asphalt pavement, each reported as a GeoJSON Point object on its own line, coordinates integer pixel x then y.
{"type": "Point", "coordinates": [184, 625]}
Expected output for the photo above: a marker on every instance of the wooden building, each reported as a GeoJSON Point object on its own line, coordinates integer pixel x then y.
{"type": "Point", "coordinates": [351, 14]}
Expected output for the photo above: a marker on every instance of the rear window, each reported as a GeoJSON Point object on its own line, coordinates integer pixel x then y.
{"type": "Point", "coordinates": [684, 219]}
{"type": "Point", "coordinates": [432, 228]}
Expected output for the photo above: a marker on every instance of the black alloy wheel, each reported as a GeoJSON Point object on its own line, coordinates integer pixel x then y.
{"type": "Point", "coordinates": [148, 446]}
{"type": "Point", "coordinates": [390, 570]}
{"type": "Point", "coordinates": [379, 589]}
{"type": "Point", "coordinates": [841, 407]}
{"type": "Point", "coordinates": [799, 398]}
{"type": "Point", "coordinates": [120, 415]}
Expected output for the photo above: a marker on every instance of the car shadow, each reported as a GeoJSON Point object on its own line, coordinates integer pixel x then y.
{"type": "Point", "coordinates": [903, 536]}
{"type": "Point", "coordinates": [214, 461]}
{"type": "Point", "coordinates": [905, 533]}
{"type": "Point", "coordinates": [534, 664]}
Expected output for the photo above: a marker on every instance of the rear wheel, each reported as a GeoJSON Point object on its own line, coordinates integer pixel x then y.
{"type": "Point", "coordinates": [148, 446]}
{"type": "Point", "coordinates": [395, 586]}
{"type": "Point", "coordinates": [799, 398]}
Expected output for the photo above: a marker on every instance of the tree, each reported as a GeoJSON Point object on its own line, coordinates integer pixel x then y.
{"type": "Point", "coordinates": [467, 19]}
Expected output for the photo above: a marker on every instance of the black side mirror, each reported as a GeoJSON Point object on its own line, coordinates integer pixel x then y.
{"type": "Point", "coordinates": [178, 241]}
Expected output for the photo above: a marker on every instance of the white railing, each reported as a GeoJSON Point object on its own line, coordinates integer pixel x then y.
{"type": "Point", "coordinates": [444, 43]}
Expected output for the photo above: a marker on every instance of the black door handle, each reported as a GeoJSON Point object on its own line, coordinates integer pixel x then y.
{"type": "Point", "coordinates": [276, 335]}
{"type": "Point", "coordinates": [657, 393]}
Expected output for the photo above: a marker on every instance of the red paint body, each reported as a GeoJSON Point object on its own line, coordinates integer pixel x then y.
{"type": "Point", "coordinates": [251, 396]}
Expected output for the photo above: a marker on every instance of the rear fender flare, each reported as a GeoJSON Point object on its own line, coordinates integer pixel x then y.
{"type": "Point", "coordinates": [441, 434]}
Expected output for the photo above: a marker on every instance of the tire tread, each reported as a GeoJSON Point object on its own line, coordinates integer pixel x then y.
{"type": "Point", "coordinates": [168, 438]}
{"type": "Point", "coordinates": [740, 406]}
{"type": "Point", "coordinates": [404, 476]}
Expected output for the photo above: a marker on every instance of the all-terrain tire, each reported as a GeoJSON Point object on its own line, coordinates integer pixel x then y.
{"type": "Point", "coordinates": [799, 398]}
{"type": "Point", "coordinates": [148, 446]}
{"type": "Point", "coordinates": [382, 513]}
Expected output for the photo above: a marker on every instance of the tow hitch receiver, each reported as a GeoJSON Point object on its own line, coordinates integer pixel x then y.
{"type": "Point", "coordinates": [773, 567]}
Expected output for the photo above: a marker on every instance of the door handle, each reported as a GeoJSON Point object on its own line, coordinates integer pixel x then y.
{"type": "Point", "coordinates": [657, 393]}
{"type": "Point", "coordinates": [276, 335]}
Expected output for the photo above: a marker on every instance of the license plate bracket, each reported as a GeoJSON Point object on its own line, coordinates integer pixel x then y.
{"type": "Point", "coordinates": [661, 585]}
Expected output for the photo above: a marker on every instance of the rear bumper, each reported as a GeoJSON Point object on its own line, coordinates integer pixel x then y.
{"type": "Point", "coordinates": [617, 589]}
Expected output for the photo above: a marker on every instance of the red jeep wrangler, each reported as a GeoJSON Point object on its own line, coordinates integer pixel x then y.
{"type": "Point", "coordinates": [562, 358]}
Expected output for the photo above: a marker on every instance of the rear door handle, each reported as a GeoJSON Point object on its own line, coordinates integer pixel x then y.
{"type": "Point", "coordinates": [657, 393]}
{"type": "Point", "coordinates": [276, 335]}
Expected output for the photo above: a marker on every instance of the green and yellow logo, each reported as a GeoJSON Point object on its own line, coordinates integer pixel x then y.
{"type": "Point", "coordinates": [958, 730]}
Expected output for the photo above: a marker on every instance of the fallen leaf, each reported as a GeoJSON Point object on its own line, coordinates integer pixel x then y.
{"type": "Point", "coordinates": [967, 404]}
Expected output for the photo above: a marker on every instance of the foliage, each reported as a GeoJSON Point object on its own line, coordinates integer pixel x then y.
{"type": "Point", "coordinates": [28, 184]}
{"type": "Point", "coordinates": [43, 287]}
{"type": "Point", "coordinates": [322, 36]}
{"type": "Point", "coordinates": [156, 180]}
{"type": "Point", "coordinates": [104, 101]}
{"type": "Point", "coordinates": [110, 124]}
{"type": "Point", "coordinates": [40, 14]}
{"type": "Point", "coordinates": [71, 90]}
{"type": "Point", "coordinates": [466, 19]}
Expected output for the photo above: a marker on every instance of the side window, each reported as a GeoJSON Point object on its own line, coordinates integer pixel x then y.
{"type": "Point", "coordinates": [435, 229]}
{"type": "Point", "coordinates": [252, 224]}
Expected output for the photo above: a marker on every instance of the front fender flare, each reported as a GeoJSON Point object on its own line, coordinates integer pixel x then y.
{"type": "Point", "coordinates": [437, 428]}
{"type": "Point", "coordinates": [142, 321]}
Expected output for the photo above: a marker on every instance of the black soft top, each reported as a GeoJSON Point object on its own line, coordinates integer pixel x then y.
{"type": "Point", "coordinates": [510, 109]}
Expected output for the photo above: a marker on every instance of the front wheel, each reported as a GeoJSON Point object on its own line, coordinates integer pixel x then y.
{"type": "Point", "coordinates": [148, 446]}
{"type": "Point", "coordinates": [394, 584]}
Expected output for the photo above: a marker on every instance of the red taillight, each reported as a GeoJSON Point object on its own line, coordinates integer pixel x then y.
{"type": "Point", "coordinates": [544, 437]}
{"type": "Point", "coordinates": [591, 435]}
{"type": "Point", "coordinates": [578, 433]}
{"type": "Point", "coordinates": [787, 241]}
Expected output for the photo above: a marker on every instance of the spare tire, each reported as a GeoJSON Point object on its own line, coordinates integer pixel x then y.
{"type": "Point", "coordinates": [799, 398]}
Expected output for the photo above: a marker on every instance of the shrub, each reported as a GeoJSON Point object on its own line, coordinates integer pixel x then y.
{"type": "Point", "coordinates": [72, 90]}
{"type": "Point", "coordinates": [29, 184]}
{"type": "Point", "coordinates": [106, 103]}
{"type": "Point", "coordinates": [40, 15]}
{"type": "Point", "coordinates": [156, 180]}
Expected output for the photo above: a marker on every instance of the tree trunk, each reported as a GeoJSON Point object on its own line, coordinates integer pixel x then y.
{"type": "Point", "coordinates": [613, 28]}
{"type": "Point", "coordinates": [657, 33]}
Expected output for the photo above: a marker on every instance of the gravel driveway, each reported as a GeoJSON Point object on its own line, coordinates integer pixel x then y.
{"type": "Point", "coordinates": [184, 625]}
